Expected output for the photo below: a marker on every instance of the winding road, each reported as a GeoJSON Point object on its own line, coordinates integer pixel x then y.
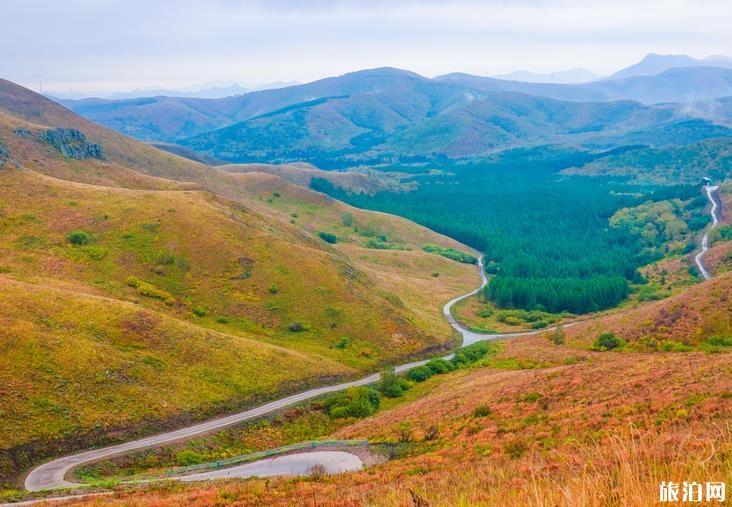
{"type": "Point", "coordinates": [52, 475]}
{"type": "Point", "coordinates": [711, 192]}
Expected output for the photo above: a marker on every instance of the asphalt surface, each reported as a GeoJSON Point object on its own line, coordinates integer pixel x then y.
{"type": "Point", "coordinates": [711, 191]}
{"type": "Point", "coordinates": [333, 462]}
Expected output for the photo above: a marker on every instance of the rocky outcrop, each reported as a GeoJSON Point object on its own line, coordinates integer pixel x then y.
{"type": "Point", "coordinates": [4, 155]}
{"type": "Point", "coordinates": [73, 143]}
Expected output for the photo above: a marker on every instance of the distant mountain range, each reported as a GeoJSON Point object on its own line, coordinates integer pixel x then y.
{"type": "Point", "coordinates": [372, 116]}
{"type": "Point", "coordinates": [200, 91]}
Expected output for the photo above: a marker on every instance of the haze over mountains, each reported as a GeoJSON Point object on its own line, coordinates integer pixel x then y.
{"type": "Point", "coordinates": [570, 76]}
{"type": "Point", "coordinates": [208, 91]}
{"type": "Point", "coordinates": [372, 116]}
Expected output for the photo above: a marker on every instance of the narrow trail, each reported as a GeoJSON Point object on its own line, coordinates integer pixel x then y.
{"type": "Point", "coordinates": [711, 192]}
{"type": "Point", "coordinates": [52, 475]}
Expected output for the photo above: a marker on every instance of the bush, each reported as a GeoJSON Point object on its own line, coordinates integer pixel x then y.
{"type": "Point", "coordinates": [515, 449]}
{"type": "Point", "coordinates": [451, 254]}
{"type": "Point", "coordinates": [328, 237]}
{"type": "Point", "coordinates": [608, 341]}
{"type": "Point", "coordinates": [296, 327]}
{"type": "Point", "coordinates": [485, 313]}
{"type": "Point", "coordinates": [513, 321]}
{"type": "Point", "coordinates": [354, 402]}
{"type": "Point", "coordinates": [149, 290]}
{"type": "Point", "coordinates": [188, 457]}
{"type": "Point", "coordinates": [482, 411]}
{"type": "Point", "coordinates": [440, 366]}
{"type": "Point", "coordinates": [420, 373]}
{"type": "Point", "coordinates": [470, 354]}
{"type": "Point", "coordinates": [78, 238]}
{"type": "Point", "coordinates": [343, 342]}
{"type": "Point", "coordinates": [199, 311]}
{"type": "Point", "coordinates": [539, 324]}
{"type": "Point", "coordinates": [391, 385]}
{"type": "Point", "coordinates": [558, 337]}
{"type": "Point", "coordinates": [347, 219]}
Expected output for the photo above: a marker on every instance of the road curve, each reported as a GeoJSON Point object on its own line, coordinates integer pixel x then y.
{"type": "Point", "coordinates": [333, 462]}
{"type": "Point", "coordinates": [705, 239]}
{"type": "Point", "coordinates": [51, 475]}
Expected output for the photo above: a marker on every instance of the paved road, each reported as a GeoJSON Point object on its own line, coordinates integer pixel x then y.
{"type": "Point", "coordinates": [711, 191]}
{"type": "Point", "coordinates": [302, 463]}
{"type": "Point", "coordinates": [51, 475]}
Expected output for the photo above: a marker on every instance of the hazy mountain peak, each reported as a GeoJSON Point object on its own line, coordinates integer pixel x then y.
{"type": "Point", "coordinates": [653, 64]}
{"type": "Point", "coordinates": [569, 76]}
{"type": "Point", "coordinates": [383, 72]}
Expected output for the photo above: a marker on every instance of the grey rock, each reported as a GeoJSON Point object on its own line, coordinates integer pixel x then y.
{"type": "Point", "coordinates": [4, 155]}
{"type": "Point", "coordinates": [73, 143]}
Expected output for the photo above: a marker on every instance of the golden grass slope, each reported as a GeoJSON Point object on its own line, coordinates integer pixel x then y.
{"type": "Point", "coordinates": [77, 367]}
{"type": "Point", "coordinates": [701, 311]}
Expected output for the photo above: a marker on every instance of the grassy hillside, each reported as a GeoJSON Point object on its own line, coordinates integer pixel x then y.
{"type": "Point", "coordinates": [669, 165]}
{"type": "Point", "coordinates": [176, 279]}
{"type": "Point", "coordinates": [538, 422]}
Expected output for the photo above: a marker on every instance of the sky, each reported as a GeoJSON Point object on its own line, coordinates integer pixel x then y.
{"type": "Point", "coordinates": [104, 45]}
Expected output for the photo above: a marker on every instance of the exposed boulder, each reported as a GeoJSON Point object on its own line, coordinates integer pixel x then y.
{"type": "Point", "coordinates": [4, 155]}
{"type": "Point", "coordinates": [73, 143]}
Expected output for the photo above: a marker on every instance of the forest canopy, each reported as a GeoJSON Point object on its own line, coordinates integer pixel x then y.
{"type": "Point", "coordinates": [547, 236]}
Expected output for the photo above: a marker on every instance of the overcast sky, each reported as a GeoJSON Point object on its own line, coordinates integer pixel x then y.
{"type": "Point", "coordinates": [105, 45]}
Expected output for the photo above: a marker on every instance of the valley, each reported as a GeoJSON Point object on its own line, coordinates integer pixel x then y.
{"type": "Point", "coordinates": [377, 288]}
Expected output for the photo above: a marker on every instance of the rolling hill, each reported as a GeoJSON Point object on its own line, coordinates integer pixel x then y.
{"type": "Point", "coordinates": [141, 290]}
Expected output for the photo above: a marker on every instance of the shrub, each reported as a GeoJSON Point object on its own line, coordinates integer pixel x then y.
{"type": "Point", "coordinates": [482, 411]}
{"type": "Point", "coordinates": [347, 219]}
{"type": "Point", "coordinates": [720, 341]}
{"type": "Point", "coordinates": [515, 449]}
{"type": "Point", "coordinates": [328, 237]}
{"type": "Point", "coordinates": [199, 311]}
{"type": "Point", "coordinates": [273, 289]}
{"type": "Point", "coordinates": [188, 457]}
{"type": "Point", "coordinates": [531, 397]}
{"type": "Point", "coordinates": [485, 313]}
{"type": "Point", "coordinates": [558, 337]}
{"type": "Point", "coordinates": [451, 253]}
{"type": "Point", "coordinates": [440, 366]}
{"type": "Point", "coordinates": [432, 433]}
{"type": "Point", "coordinates": [354, 402]}
{"type": "Point", "coordinates": [470, 354]}
{"type": "Point", "coordinates": [513, 321]}
{"type": "Point", "coordinates": [343, 342]}
{"type": "Point", "coordinates": [78, 238]}
{"type": "Point", "coordinates": [296, 327]}
{"type": "Point", "coordinates": [420, 373]}
{"type": "Point", "coordinates": [149, 290]}
{"type": "Point", "coordinates": [608, 341]}
{"type": "Point", "coordinates": [539, 324]}
{"type": "Point", "coordinates": [391, 385]}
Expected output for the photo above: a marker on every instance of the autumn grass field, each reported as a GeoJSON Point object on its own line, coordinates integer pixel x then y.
{"type": "Point", "coordinates": [584, 428]}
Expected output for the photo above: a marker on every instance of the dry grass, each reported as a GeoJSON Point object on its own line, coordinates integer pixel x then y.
{"type": "Point", "coordinates": [701, 311]}
{"type": "Point", "coordinates": [604, 431]}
